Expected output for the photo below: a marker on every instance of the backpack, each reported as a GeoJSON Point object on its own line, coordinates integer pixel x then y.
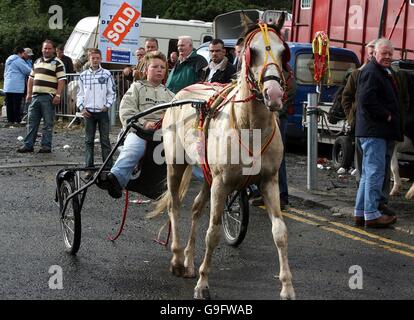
{"type": "Point", "coordinates": [336, 112]}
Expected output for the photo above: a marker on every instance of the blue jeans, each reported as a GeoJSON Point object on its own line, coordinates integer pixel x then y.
{"type": "Point", "coordinates": [41, 107]}
{"type": "Point", "coordinates": [372, 177]}
{"type": "Point", "coordinates": [283, 186]}
{"type": "Point", "coordinates": [386, 187]}
{"type": "Point", "coordinates": [132, 152]}
{"type": "Point", "coordinates": [102, 120]}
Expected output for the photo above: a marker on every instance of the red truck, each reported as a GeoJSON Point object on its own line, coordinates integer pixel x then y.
{"type": "Point", "coordinates": [352, 24]}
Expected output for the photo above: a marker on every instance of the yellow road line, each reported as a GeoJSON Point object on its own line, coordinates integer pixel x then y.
{"type": "Point", "coordinates": [350, 228]}
{"type": "Point", "coordinates": [347, 235]}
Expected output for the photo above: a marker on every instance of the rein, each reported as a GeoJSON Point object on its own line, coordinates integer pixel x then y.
{"type": "Point", "coordinates": [269, 60]}
{"type": "Point", "coordinates": [221, 98]}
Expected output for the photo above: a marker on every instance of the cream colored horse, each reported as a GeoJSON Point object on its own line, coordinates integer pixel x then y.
{"type": "Point", "coordinates": [250, 105]}
{"type": "Point", "coordinates": [405, 146]}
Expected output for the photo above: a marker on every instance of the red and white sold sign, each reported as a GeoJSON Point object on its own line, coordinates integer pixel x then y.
{"type": "Point", "coordinates": [121, 23]}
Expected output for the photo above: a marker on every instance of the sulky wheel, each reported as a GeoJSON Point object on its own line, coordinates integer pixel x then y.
{"type": "Point", "coordinates": [70, 220]}
{"type": "Point", "coordinates": [236, 218]}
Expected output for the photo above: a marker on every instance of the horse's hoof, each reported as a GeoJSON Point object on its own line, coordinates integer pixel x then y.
{"type": "Point", "coordinates": [202, 294]}
{"type": "Point", "coordinates": [288, 294]}
{"type": "Point", "coordinates": [178, 271]}
{"type": "Point", "coordinates": [189, 272]}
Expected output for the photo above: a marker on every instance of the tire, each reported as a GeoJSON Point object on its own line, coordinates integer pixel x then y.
{"type": "Point", "coordinates": [236, 220]}
{"type": "Point", "coordinates": [342, 152]}
{"type": "Point", "coordinates": [70, 221]}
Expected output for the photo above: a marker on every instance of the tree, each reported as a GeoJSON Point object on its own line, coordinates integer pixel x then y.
{"type": "Point", "coordinates": [202, 10]}
{"type": "Point", "coordinates": [23, 24]}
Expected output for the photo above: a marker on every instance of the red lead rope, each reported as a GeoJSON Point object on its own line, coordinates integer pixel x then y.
{"type": "Point", "coordinates": [121, 228]}
{"type": "Point", "coordinates": [124, 214]}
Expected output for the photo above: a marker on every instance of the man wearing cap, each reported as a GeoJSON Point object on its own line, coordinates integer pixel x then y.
{"type": "Point", "coordinates": [27, 56]}
{"type": "Point", "coordinates": [15, 73]}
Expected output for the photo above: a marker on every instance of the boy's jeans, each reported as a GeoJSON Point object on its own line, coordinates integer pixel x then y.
{"type": "Point", "coordinates": [132, 152]}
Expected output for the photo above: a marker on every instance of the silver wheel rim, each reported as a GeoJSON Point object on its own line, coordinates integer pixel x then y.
{"type": "Point", "coordinates": [232, 220]}
{"type": "Point", "coordinates": [67, 222]}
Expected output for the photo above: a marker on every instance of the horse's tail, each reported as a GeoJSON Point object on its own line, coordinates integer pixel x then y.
{"type": "Point", "coordinates": [164, 200]}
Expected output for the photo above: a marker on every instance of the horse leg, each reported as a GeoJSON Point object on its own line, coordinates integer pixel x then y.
{"type": "Point", "coordinates": [270, 193]}
{"type": "Point", "coordinates": [174, 175]}
{"type": "Point", "coordinates": [410, 193]}
{"type": "Point", "coordinates": [218, 199]}
{"type": "Point", "coordinates": [196, 213]}
{"type": "Point", "coordinates": [395, 172]}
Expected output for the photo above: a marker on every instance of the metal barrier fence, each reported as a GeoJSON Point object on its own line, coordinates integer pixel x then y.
{"type": "Point", "coordinates": [67, 107]}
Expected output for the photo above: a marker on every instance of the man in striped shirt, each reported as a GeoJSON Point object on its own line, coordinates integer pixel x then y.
{"type": "Point", "coordinates": [45, 86]}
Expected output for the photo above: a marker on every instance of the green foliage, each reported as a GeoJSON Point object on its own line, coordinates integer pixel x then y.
{"type": "Point", "coordinates": [24, 24]}
{"type": "Point", "coordinates": [202, 10]}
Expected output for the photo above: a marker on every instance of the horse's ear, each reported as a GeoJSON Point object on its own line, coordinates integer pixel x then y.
{"type": "Point", "coordinates": [246, 22]}
{"type": "Point", "coordinates": [281, 21]}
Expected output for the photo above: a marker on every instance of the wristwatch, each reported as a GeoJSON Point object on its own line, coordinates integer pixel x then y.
{"type": "Point", "coordinates": [57, 95]}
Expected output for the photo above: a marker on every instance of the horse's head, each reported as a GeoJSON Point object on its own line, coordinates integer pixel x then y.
{"type": "Point", "coordinates": [265, 53]}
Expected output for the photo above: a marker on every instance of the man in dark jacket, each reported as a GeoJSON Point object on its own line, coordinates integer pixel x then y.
{"type": "Point", "coordinates": [65, 59]}
{"type": "Point", "coordinates": [219, 69]}
{"type": "Point", "coordinates": [377, 126]}
{"type": "Point", "coordinates": [189, 67]}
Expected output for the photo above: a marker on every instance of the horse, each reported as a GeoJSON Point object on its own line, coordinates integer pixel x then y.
{"type": "Point", "coordinates": [72, 90]}
{"type": "Point", "coordinates": [405, 146]}
{"type": "Point", "coordinates": [245, 107]}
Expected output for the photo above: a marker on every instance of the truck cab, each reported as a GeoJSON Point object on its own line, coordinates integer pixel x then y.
{"type": "Point", "coordinates": [341, 62]}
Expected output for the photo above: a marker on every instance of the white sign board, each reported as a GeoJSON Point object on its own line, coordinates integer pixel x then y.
{"type": "Point", "coordinates": [119, 23]}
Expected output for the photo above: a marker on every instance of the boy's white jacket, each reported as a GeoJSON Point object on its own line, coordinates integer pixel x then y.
{"type": "Point", "coordinates": [96, 90]}
{"type": "Point", "coordinates": [141, 96]}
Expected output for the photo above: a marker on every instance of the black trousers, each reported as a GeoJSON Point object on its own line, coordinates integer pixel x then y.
{"type": "Point", "coordinates": [13, 105]}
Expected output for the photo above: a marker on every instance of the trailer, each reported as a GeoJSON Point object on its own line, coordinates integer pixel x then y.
{"type": "Point", "coordinates": [354, 23]}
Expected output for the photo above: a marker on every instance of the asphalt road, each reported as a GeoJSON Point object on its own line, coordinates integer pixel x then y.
{"type": "Point", "coordinates": [322, 249]}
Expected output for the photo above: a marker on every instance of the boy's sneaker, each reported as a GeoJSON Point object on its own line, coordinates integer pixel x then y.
{"type": "Point", "coordinates": [114, 188]}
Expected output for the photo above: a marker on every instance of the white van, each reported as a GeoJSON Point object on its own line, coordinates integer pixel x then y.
{"type": "Point", "coordinates": [166, 31]}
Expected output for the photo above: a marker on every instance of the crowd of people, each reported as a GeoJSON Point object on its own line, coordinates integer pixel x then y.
{"type": "Point", "coordinates": [374, 98]}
